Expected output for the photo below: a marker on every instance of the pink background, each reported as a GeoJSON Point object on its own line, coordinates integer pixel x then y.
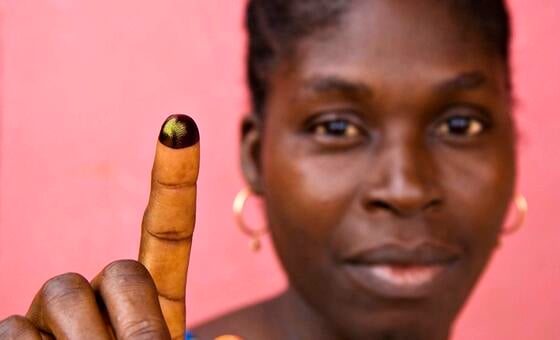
{"type": "Point", "coordinates": [85, 86]}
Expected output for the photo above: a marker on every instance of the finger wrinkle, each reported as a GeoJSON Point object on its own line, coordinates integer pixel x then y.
{"type": "Point", "coordinates": [171, 236]}
{"type": "Point", "coordinates": [144, 329]}
{"type": "Point", "coordinates": [180, 299]}
{"type": "Point", "coordinates": [175, 186]}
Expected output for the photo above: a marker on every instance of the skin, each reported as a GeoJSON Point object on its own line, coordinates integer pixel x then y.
{"type": "Point", "coordinates": [357, 131]}
{"type": "Point", "coordinates": [128, 299]}
{"type": "Point", "coordinates": [404, 178]}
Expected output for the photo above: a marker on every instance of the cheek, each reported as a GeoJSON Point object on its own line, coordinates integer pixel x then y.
{"type": "Point", "coordinates": [310, 193]}
{"type": "Point", "coordinates": [478, 188]}
{"type": "Point", "coordinates": [307, 195]}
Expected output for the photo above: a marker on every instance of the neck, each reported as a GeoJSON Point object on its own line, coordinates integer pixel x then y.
{"type": "Point", "coordinates": [296, 319]}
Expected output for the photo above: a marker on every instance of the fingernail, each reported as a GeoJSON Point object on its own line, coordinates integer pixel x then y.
{"type": "Point", "coordinates": [178, 132]}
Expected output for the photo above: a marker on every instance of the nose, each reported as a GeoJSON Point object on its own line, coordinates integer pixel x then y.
{"type": "Point", "coordinates": [402, 181]}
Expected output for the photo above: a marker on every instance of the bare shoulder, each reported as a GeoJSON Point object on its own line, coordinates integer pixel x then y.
{"type": "Point", "coordinates": [251, 322]}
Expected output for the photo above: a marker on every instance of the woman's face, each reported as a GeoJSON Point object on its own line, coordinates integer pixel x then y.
{"type": "Point", "coordinates": [387, 165]}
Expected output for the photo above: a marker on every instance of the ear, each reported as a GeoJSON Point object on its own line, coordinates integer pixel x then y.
{"type": "Point", "coordinates": [251, 139]}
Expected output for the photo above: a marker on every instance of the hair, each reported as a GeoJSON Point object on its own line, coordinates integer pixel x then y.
{"type": "Point", "coordinates": [275, 27]}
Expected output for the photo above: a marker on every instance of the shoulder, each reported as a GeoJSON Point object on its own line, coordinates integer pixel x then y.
{"type": "Point", "coordinates": [251, 322]}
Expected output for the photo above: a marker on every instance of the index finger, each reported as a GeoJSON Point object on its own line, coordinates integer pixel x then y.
{"type": "Point", "coordinates": [168, 223]}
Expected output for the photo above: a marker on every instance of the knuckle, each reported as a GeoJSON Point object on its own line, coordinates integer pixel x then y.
{"type": "Point", "coordinates": [62, 287]}
{"type": "Point", "coordinates": [148, 329]}
{"type": "Point", "coordinates": [125, 268]}
{"type": "Point", "coordinates": [15, 327]}
{"type": "Point", "coordinates": [126, 272]}
{"type": "Point", "coordinates": [14, 321]}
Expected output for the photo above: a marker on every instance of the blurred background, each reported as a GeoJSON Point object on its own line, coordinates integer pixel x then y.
{"type": "Point", "coordinates": [84, 88]}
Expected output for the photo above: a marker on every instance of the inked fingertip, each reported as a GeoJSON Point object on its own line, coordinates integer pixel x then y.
{"type": "Point", "coordinates": [179, 131]}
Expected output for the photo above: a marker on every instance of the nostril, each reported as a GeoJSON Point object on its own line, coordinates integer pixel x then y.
{"type": "Point", "coordinates": [379, 204]}
{"type": "Point", "coordinates": [433, 204]}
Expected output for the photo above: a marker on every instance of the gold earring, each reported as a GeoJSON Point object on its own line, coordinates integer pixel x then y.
{"type": "Point", "coordinates": [238, 206]}
{"type": "Point", "coordinates": [522, 208]}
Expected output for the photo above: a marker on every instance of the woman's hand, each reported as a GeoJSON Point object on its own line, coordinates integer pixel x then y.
{"type": "Point", "coordinates": [130, 299]}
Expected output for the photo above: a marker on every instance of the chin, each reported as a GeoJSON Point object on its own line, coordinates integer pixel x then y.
{"type": "Point", "coordinates": [395, 324]}
{"type": "Point", "coordinates": [368, 317]}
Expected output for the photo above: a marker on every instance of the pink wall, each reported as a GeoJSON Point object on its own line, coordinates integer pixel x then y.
{"type": "Point", "coordinates": [84, 88]}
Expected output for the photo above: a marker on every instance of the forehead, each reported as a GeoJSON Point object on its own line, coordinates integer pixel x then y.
{"type": "Point", "coordinates": [393, 39]}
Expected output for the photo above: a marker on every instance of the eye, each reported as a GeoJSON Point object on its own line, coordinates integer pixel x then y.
{"type": "Point", "coordinates": [460, 126]}
{"type": "Point", "coordinates": [338, 128]}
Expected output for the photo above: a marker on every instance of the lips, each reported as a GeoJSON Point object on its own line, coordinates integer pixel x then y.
{"type": "Point", "coordinates": [406, 276]}
{"type": "Point", "coordinates": [401, 271]}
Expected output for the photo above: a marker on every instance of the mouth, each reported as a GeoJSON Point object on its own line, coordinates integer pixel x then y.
{"type": "Point", "coordinates": [396, 271]}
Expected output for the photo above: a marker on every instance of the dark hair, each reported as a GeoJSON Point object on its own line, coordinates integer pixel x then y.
{"type": "Point", "coordinates": [275, 26]}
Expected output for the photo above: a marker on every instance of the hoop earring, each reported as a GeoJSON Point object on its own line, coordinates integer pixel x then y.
{"type": "Point", "coordinates": [238, 206]}
{"type": "Point", "coordinates": [522, 208]}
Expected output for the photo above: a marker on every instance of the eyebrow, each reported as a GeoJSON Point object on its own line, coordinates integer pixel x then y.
{"type": "Point", "coordinates": [464, 81]}
{"type": "Point", "coordinates": [334, 84]}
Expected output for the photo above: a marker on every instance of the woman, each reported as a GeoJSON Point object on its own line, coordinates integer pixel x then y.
{"type": "Point", "coordinates": [383, 145]}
